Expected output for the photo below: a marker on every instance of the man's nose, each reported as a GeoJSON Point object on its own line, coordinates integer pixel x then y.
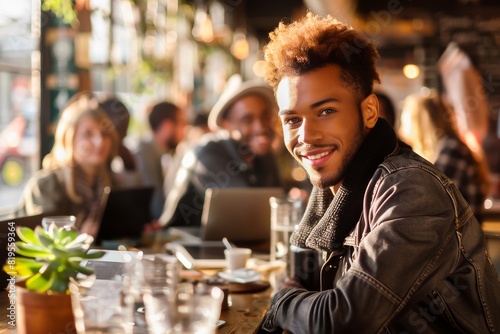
{"type": "Point", "coordinates": [259, 125]}
{"type": "Point", "coordinates": [309, 132]}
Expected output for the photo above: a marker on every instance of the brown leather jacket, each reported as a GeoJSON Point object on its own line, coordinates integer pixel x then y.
{"type": "Point", "coordinates": [414, 263]}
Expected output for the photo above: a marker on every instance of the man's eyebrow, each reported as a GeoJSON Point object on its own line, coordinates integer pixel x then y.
{"type": "Point", "coordinates": [314, 105]}
{"type": "Point", "coordinates": [317, 104]}
{"type": "Point", "coordinates": [285, 112]}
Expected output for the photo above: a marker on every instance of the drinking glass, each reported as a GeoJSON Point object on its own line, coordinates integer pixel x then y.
{"type": "Point", "coordinates": [59, 221]}
{"type": "Point", "coordinates": [285, 215]}
{"type": "Point", "coordinates": [155, 272]}
{"type": "Point", "coordinates": [302, 264]}
{"type": "Point", "coordinates": [98, 308]}
{"type": "Point", "coordinates": [185, 308]}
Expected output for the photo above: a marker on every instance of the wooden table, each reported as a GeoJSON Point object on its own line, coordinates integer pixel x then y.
{"type": "Point", "coordinates": [244, 315]}
{"type": "Point", "coordinates": [246, 312]}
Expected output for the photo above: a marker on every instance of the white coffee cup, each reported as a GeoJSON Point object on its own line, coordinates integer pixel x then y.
{"type": "Point", "coordinates": [236, 258]}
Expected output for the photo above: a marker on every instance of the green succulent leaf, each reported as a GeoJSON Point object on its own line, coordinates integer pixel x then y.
{"type": "Point", "coordinates": [80, 240]}
{"type": "Point", "coordinates": [27, 235]}
{"type": "Point", "coordinates": [93, 255]}
{"type": "Point", "coordinates": [66, 236]}
{"type": "Point", "coordinates": [41, 282]}
{"type": "Point", "coordinates": [59, 252]}
{"type": "Point", "coordinates": [59, 284]}
{"type": "Point", "coordinates": [46, 240]}
{"type": "Point", "coordinates": [22, 267]}
{"type": "Point", "coordinates": [31, 250]}
{"type": "Point", "coordinates": [50, 259]}
{"type": "Point", "coordinates": [80, 269]}
{"type": "Point", "coordinates": [75, 253]}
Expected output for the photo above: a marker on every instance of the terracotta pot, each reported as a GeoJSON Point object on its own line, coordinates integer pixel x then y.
{"type": "Point", "coordinates": [42, 313]}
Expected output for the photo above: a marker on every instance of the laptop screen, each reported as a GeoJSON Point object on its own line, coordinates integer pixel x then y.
{"type": "Point", "coordinates": [125, 214]}
{"type": "Point", "coordinates": [240, 214]}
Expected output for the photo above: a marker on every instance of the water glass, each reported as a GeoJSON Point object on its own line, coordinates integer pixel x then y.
{"type": "Point", "coordinates": [97, 308]}
{"type": "Point", "coordinates": [59, 221]}
{"type": "Point", "coordinates": [183, 309]}
{"type": "Point", "coordinates": [285, 215]}
{"type": "Point", "coordinates": [155, 272]}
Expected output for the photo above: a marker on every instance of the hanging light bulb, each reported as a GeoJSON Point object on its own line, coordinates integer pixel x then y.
{"type": "Point", "coordinates": [411, 71]}
{"type": "Point", "coordinates": [259, 68]}
{"type": "Point", "coordinates": [203, 30]}
{"type": "Point", "coordinates": [240, 47]}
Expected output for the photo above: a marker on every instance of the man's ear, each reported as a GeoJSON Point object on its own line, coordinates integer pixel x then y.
{"type": "Point", "coordinates": [369, 110]}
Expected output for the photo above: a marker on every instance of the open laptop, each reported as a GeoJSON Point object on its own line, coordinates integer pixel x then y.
{"type": "Point", "coordinates": [242, 215]}
{"type": "Point", "coordinates": [125, 214]}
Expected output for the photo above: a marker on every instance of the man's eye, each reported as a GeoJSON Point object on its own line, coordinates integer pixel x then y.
{"type": "Point", "coordinates": [247, 120]}
{"type": "Point", "coordinates": [327, 111]}
{"type": "Point", "coordinates": [291, 120]}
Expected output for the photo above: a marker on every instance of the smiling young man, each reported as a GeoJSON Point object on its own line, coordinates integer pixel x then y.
{"type": "Point", "coordinates": [404, 251]}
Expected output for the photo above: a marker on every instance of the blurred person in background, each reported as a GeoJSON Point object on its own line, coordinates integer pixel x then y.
{"type": "Point", "coordinates": [491, 148]}
{"type": "Point", "coordinates": [75, 172]}
{"type": "Point", "coordinates": [123, 165]}
{"type": "Point", "coordinates": [237, 154]}
{"type": "Point", "coordinates": [154, 153]}
{"type": "Point", "coordinates": [429, 127]}
{"type": "Point", "coordinates": [386, 108]}
{"type": "Point", "coordinates": [196, 129]}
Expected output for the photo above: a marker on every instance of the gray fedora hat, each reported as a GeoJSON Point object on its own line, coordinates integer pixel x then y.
{"type": "Point", "coordinates": [235, 91]}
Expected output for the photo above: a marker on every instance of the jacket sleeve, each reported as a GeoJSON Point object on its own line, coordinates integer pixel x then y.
{"type": "Point", "coordinates": [405, 219]}
{"type": "Point", "coordinates": [219, 166]}
{"type": "Point", "coordinates": [43, 193]}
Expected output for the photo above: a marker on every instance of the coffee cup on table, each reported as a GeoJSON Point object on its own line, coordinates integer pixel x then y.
{"type": "Point", "coordinates": [236, 258]}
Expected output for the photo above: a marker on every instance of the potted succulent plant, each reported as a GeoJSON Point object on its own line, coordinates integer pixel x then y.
{"type": "Point", "coordinates": [48, 261]}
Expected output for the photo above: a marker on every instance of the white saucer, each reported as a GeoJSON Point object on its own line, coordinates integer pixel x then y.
{"type": "Point", "coordinates": [242, 275]}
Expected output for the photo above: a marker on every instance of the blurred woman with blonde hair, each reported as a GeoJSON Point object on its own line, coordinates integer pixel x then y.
{"type": "Point", "coordinates": [429, 127]}
{"type": "Point", "coordinates": [75, 173]}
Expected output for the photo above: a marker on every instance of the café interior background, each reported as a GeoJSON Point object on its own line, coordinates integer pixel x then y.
{"type": "Point", "coordinates": [185, 51]}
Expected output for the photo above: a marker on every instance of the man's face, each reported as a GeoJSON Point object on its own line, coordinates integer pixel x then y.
{"type": "Point", "coordinates": [180, 127]}
{"type": "Point", "coordinates": [323, 123]}
{"type": "Point", "coordinates": [249, 120]}
{"type": "Point", "coordinates": [170, 133]}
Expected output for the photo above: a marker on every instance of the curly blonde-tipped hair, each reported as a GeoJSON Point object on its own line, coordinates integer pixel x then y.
{"type": "Point", "coordinates": [314, 42]}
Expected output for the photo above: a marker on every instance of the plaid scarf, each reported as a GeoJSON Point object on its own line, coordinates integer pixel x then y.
{"type": "Point", "coordinates": [329, 219]}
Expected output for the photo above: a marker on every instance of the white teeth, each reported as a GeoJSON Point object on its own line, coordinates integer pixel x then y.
{"type": "Point", "coordinates": [318, 156]}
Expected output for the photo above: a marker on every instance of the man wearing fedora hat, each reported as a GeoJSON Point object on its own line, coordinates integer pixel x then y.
{"type": "Point", "coordinates": [238, 152]}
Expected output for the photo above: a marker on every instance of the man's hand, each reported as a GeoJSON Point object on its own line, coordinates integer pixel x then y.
{"type": "Point", "coordinates": [153, 226]}
{"type": "Point", "coordinates": [290, 282]}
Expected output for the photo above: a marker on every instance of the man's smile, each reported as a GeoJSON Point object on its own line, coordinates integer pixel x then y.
{"type": "Point", "coordinates": [316, 158]}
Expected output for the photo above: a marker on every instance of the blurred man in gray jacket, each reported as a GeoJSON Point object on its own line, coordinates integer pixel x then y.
{"type": "Point", "coordinates": [237, 154]}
